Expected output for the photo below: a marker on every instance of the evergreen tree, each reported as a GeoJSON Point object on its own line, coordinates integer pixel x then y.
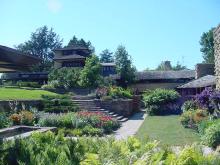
{"type": "Point", "coordinates": [41, 44]}
{"type": "Point", "coordinates": [124, 66]}
{"type": "Point", "coordinates": [106, 56]}
{"type": "Point", "coordinates": [207, 46]}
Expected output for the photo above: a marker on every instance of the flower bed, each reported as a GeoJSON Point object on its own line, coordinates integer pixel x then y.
{"type": "Point", "coordinates": [81, 123]}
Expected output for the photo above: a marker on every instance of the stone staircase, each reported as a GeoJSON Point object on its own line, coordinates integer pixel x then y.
{"type": "Point", "coordinates": [88, 104]}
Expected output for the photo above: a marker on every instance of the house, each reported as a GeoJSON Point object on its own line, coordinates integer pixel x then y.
{"type": "Point", "coordinates": [217, 55]}
{"type": "Point", "coordinates": [12, 60]}
{"type": "Point", "coordinates": [150, 80]}
{"type": "Point", "coordinates": [76, 57]}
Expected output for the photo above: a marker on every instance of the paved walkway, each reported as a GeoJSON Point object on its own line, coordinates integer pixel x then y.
{"type": "Point", "coordinates": [131, 126]}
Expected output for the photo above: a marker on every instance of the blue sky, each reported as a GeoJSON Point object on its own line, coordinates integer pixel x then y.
{"type": "Point", "coordinates": [151, 30]}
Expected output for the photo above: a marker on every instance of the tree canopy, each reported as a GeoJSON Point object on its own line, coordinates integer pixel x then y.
{"type": "Point", "coordinates": [106, 56]}
{"type": "Point", "coordinates": [91, 74]}
{"type": "Point", "coordinates": [124, 66]}
{"type": "Point", "coordinates": [41, 44]}
{"type": "Point", "coordinates": [207, 46]}
{"type": "Point", "coordinates": [166, 65]}
{"type": "Point", "coordinates": [81, 42]}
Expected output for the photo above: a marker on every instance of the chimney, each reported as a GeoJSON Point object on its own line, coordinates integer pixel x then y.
{"type": "Point", "coordinates": [204, 69]}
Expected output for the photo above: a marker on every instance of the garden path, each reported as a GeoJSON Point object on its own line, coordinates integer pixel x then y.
{"type": "Point", "coordinates": [130, 127]}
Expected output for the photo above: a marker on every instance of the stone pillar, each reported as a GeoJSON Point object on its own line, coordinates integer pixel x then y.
{"type": "Point", "coordinates": [217, 55]}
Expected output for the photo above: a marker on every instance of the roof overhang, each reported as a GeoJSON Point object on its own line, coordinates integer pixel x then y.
{"type": "Point", "coordinates": [12, 60]}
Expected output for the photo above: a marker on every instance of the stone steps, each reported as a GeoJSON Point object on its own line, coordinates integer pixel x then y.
{"type": "Point", "coordinates": [89, 105]}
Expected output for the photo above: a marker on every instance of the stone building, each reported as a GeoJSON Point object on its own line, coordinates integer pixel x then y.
{"type": "Point", "coordinates": [217, 55]}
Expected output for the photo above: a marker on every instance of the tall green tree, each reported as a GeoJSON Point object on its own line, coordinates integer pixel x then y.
{"type": "Point", "coordinates": [178, 66]}
{"type": "Point", "coordinates": [81, 43]}
{"type": "Point", "coordinates": [91, 74]}
{"type": "Point", "coordinates": [106, 56]}
{"type": "Point", "coordinates": [41, 44]}
{"type": "Point", "coordinates": [207, 46]}
{"type": "Point", "coordinates": [166, 66]}
{"type": "Point", "coordinates": [124, 66]}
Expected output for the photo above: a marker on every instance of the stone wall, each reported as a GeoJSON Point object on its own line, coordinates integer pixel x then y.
{"type": "Point", "coordinates": [217, 55]}
{"type": "Point", "coordinates": [6, 105]}
{"type": "Point", "coordinates": [124, 107]}
{"type": "Point", "coordinates": [204, 69]}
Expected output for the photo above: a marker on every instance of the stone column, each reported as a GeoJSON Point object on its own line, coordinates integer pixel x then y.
{"type": "Point", "coordinates": [217, 55]}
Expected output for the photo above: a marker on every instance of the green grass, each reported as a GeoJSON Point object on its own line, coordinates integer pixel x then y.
{"type": "Point", "coordinates": [22, 94]}
{"type": "Point", "coordinates": [168, 130]}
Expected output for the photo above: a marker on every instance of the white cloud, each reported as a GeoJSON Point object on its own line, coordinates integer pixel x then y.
{"type": "Point", "coordinates": [54, 5]}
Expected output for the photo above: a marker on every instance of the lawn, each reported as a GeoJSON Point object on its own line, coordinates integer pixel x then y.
{"type": "Point", "coordinates": [22, 94]}
{"type": "Point", "coordinates": [168, 130]}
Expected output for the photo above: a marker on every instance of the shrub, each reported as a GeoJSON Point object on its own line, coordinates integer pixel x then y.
{"type": "Point", "coordinates": [189, 105]}
{"type": "Point", "coordinates": [24, 117]}
{"type": "Point", "coordinates": [59, 103]}
{"type": "Point", "coordinates": [190, 119]}
{"type": "Point", "coordinates": [28, 84]}
{"type": "Point", "coordinates": [4, 120]}
{"type": "Point", "coordinates": [64, 77]}
{"type": "Point", "coordinates": [91, 131]}
{"type": "Point", "coordinates": [212, 135]}
{"type": "Point", "coordinates": [118, 92]}
{"type": "Point", "coordinates": [48, 86]}
{"type": "Point", "coordinates": [204, 124]}
{"type": "Point", "coordinates": [160, 96]}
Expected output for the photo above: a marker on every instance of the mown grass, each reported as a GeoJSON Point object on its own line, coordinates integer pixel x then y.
{"type": "Point", "coordinates": [22, 94]}
{"type": "Point", "coordinates": [168, 130]}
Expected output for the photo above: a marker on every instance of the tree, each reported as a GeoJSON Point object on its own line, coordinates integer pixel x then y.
{"type": "Point", "coordinates": [124, 66]}
{"type": "Point", "coordinates": [106, 56]}
{"type": "Point", "coordinates": [91, 73]}
{"type": "Point", "coordinates": [166, 65]}
{"type": "Point", "coordinates": [81, 43]}
{"type": "Point", "coordinates": [41, 44]}
{"type": "Point", "coordinates": [178, 66]}
{"type": "Point", "coordinates": [207, 46]}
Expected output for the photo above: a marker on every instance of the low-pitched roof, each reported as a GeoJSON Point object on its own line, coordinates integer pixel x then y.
{"type": "Point", "coordinates": [12, 59]}
{"type": "Point", "coordinates": [204, 81]}
{"type": "Point", "coordinates": [70, 57]}
{"type": "Point", "coordinates": [157, 75]}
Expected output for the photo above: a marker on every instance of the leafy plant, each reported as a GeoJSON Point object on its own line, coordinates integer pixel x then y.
{"type": "Point", "coordinates": [4, 120]}
{"type": "Point", "coordinates": [23, 117]}
{"type": "Point", "coordinates": [189, 105]}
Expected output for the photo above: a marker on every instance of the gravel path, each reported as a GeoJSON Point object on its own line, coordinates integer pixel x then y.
{"type": "Point", "coordinates": [131, 126]}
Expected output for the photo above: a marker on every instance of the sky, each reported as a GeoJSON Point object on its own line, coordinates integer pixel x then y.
{"type": "Point", "coordinates": [151, 30]}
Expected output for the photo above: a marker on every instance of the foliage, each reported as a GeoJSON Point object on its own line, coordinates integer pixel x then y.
{"type": "Point", "coordinates": [88, 123]}
{"type": "Point", "coordinates": [91, 73]}
{"type": "Point", "coordinates": [64, 78]}
{"type": "Point", "coordinates": [178, 66]}
{"type": "Point", "coordinates": [165, 65]}
{"type": "Point", "coordinates": [50, 149]}
{"type": "Point", "coordinates": [113, 92]}
{"type": "Point", "coordinates": [204, 124]}
{"type": "Point", "coordinates": [75, 42]}
{"type": "Point", "coordinates": [41, 44]}
{"type": "Point", "coordinates": [212, 135]}
{"type": "Point", "coordinates": [24, 117]}
{"type": "Point", "coordinates": [4, 120]}
{"type": "Point", "coordinates": [124, 66]}
{"type": "Point", "coordinates": [28, 84]}
{"type": "Point", "coordinates": [160, 96]}
{"type": "Point", "coordinates": [207, 46]}
{"type": "Point", "coordinates": [58, 103]}
{"type": "Point", "coordinates": [189, 105]}
{"type": "Point", "coordinates": [49, 86]}
{"type": "Point", "coordinates": [106, 56]}
{"type": "Point", "coordinates": [191, 119]}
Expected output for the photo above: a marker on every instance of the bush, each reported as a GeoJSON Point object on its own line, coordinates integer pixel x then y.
{"type": "Point", "coordinates": [28, 84]}
{"type": "Point", "coordinates": [49, 86]}
{"type": "Point", "coordinates": [4, 120]}
{"type": "Point", "coordinates": [24, 117]}
{"type": "Point", "coordinates": [64, 77]}
{"type": "Point", "coordinates": [190, 119]}
{"type": "Point", "coordinates": [203, 125]}
{"type": "Point", "coordinates": [58, 104]}
{"type": "Point", "coordinates": [189, 105]}
{"type": "Point", "coordinates": [212, 136]}
{"type": "Point", "coordinates": [160, 96]}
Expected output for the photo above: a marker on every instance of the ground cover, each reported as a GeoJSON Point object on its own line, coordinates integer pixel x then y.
{"type": "Point", "coordinates": [167, 129]}
{"type": "Point", "coordinates": [22, 94]}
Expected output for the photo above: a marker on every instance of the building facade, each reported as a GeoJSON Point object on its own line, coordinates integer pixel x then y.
{"type": "Point", "coordinates": [217, 55]}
